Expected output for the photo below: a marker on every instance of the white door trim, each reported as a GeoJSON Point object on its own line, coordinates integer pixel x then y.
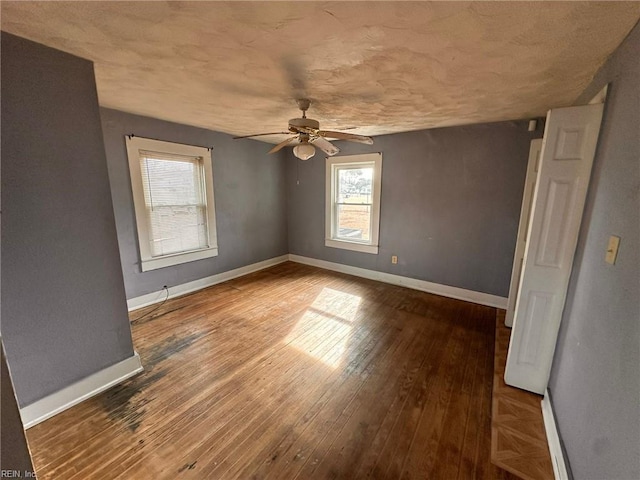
{"type": "Point", "coordinates": [525, 213]}
{"type": "Point", "coordinates": [601, 96]}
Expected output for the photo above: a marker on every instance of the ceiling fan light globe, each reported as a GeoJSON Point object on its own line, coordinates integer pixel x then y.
{"type": "Point", "coordinates": [304, 151]}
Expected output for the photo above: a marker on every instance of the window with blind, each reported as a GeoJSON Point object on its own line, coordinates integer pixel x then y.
{"type": "Point", "coordinates": [173, 197]}
{"type": "Point", "coordinates": [353, 202]}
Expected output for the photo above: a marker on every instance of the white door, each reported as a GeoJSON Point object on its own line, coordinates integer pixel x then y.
{"type": "Point", "coordinates": [568, 149]}
{"type": "Point", "coordinates": [521, 242]}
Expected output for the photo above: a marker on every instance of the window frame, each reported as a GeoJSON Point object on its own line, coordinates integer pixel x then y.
{"type": "Point", "coordinates": [147, 261]}
{"type": "Point", "coordinates": [333, 165]}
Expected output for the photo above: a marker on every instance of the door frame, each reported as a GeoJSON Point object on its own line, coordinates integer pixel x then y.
{"type": "Point", "coordinates": [525, 212]}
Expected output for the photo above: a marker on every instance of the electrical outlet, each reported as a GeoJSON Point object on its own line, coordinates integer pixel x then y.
{"type": "Point", "coordinates": [394, 259]}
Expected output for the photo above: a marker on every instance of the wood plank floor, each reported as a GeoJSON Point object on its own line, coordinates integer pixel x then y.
{"type": "Point", "coordinates": [291, 372]}
{"type": "Point", "coordinates": [518, 438]}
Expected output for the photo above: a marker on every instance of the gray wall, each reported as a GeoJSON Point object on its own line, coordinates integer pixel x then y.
{"type": "Point", "coordinates": [450, 204]}
{"type": "Point", "coordinates": [595, 378]}
{"type": "Point", "coordinates": [64, 314]}
{"type": "Point", "coordinates": [249, 190]}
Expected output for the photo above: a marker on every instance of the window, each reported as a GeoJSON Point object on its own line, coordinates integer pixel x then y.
{"type": "Point", "coordinates": [173, 197]}
{"type": "Point", "coordinates": [353, 202]}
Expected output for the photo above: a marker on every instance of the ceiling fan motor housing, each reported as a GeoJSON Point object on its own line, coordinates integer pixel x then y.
{"type": "Point", "coordinates": [296, 123]}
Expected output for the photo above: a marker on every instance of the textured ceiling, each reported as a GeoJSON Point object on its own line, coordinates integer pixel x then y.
{"type": "Point", "coordinates": [384, 67]}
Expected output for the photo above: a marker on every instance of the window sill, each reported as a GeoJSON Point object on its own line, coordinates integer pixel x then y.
{"type": "Point", "coordinates": [177, 259]}
{"type": "Point", "coordinates": [356, 247]}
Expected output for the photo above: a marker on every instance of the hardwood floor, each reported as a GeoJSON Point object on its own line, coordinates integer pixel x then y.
{"type": "Point", "coordinates": [518, 438]}
{"type": "Point", "coordinates": [291, 372]}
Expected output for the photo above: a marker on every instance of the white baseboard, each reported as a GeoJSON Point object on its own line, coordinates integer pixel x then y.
{"type": "Point", "coordinates": [94, 384]}
{"type": "Point", "coordinates": [422, 285]}
{"type": "Point", "coordinates": [184, 288]}
{"type": "Point", "coordinates": [553, 439]}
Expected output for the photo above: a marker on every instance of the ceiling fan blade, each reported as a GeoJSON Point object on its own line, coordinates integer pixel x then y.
{"type": "Point", "coordinates": [261, 134]}
{"type": "Point", "coordinates": [346, 136]}
{"type": "Point", "coordinates": [281, 145]}
{"type": "Point", "coordinates": [325, 145]}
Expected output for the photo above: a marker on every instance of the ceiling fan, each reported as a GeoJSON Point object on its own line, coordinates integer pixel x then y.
{"type": "Point", "coordinates": [306, 132]}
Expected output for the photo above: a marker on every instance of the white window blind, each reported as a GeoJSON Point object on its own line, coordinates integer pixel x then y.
{"type": "Point", "coordinates": [175, 201]}
{"type": "Point", "coordinates": [172, 186]}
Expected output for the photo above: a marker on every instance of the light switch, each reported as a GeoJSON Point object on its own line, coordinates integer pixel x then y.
{"type": "Point", "coordinates": [612, 249]}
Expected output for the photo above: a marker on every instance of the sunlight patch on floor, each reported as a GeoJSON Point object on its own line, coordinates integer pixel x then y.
{"type": "Point", "coordinates": [324, 329]}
